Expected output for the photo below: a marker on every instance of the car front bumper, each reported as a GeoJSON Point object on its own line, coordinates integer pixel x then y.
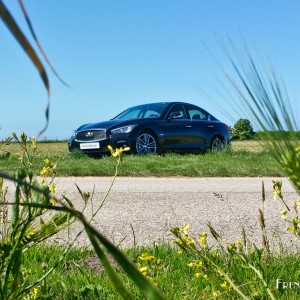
{"type": "Point", "coordinates": [98, 147]}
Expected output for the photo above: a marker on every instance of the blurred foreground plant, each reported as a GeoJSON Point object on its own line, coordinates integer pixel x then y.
{"type": "Point", "coordinates": [4, 153]}
{"type": "Point", "coordinates": [37, 214]}
{"type": "Point", "coordinates": [290, 215]}
{"type": "Point", "coordinates": [30, 222]}
{"type": "Point", "coordinates": [207, 263]}
{"type": "Point", "coordinates": [266, 99]}
{"type": "Point", "coordinates": [264, 95]}
{"type": "Point", "coordinates": [216, 264]}
{"type": "Point", "coordinates": [213, 264]}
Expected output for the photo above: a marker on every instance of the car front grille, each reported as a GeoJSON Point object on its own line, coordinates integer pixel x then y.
{"type": "Point", "coordinates": [91, 135]}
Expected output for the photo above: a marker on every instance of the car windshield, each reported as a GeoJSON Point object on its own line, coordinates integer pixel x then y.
{"type": "Point", "coordinates": [154, 110]}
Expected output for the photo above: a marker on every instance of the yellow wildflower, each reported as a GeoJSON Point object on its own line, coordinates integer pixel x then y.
{"type": "Point", "coordinates": [277, 189]}
{"type": "Point", "coordinates": [294, 228]}
{"type": "Point", "coordinates": [283, 214]}
{"type": "Point", "coordinates": [216, 294]}
{"type": "Point", "coordinates": [52, 188]}
{"type": "Point", "coordinates": [44, 171]}
{"type": "Point", "coordinates": [189, 242]}
{"type": "Point", "coordinates": [48, 169]}
{"type": "Point", "coordinates": [34, 293]}
{"type": "Point", "coordinates": [239, 245]}
{"type": "Point", "coordinates": [143, 269]}
{"type": "Point", "coordinates": [185, 228]}
{"type": "Point", "coordinates": [31, 232]}
{"type": "Point", "coordinates": [203, 239]}
{"type": "Point", "coordinates": [178, 242]}
{"type": "Point", "coordinates": [225, 286]}
{"type": "Point", "coordinates": [145, 256]}
{"type": "Point", "coordinates": [232, 248]}
{"type": "Point", "coordinates": [199, 264]}
{"type": "Point", "coordinates": [53, 201]}
{"type": "Point", "coordinates": [118, 152]}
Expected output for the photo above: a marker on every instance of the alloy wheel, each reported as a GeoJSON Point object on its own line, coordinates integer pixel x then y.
{"type": "Point", "coordinates": [217, 144]}
{"type": "Point", "coordinates": [146, 144]}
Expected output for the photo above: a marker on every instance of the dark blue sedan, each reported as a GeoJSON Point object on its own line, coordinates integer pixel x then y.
{"type": "Point", "coordinates": [154, 128]}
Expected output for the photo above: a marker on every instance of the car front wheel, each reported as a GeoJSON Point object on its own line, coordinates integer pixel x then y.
{"type": "Point", "coordinates": [146, 144]}
{"type": "Point", "coordinates": [217, 144]}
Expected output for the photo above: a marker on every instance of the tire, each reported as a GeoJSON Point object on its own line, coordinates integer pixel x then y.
{"type": "Point", "coordinates": [146, 143]}
{"type": "Point", "coordinates": [217, 144]}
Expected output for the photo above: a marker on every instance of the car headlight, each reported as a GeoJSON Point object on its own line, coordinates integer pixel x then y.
{"type": "Point", "coordinates": [74, 133]}
{"type": "Point", "coordinates": [125, 129]}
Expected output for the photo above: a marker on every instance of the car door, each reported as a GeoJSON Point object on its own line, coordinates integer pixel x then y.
{"type": "Point", "coordinates": [174, 131]}
{"type": "Point", "coordinates": [201, 128]}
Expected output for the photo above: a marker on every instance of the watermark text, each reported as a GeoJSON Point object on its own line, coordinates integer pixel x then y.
{"type": "Point", "coordinates": [280, 284]}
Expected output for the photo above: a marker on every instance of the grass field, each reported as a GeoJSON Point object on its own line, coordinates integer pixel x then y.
{"type": "Point", "coordinates": [81, 276]}
{"type": "Point", "coordinates": [60, 148]}
{"type": "Point", "coordinates": [193, 271]}
{"type": "Point", "coordinates": [247, 158]}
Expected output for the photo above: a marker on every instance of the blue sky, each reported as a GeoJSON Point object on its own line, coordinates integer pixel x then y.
{"type": "Point", "coordinates": [117, 54]}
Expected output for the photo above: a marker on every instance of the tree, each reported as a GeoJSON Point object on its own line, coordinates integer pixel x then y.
{"type": "Point", "coordinates": [242, 130]}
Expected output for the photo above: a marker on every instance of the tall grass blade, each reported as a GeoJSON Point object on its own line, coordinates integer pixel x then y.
{"type": "Point", "coordinates": [23, 41]}
{"type": "Point", "coordinates": [20, 37]}
{"type": "Point", "coordinates": [38, 43]}
{"type": "Point", "coordinates": [144, 284]}
{"type": "Point", "coordinates": [265, 96]}
{"type": "Point", "coordinates": [108, 268]}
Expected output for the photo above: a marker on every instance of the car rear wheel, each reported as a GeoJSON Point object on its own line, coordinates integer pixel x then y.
{"type": "Point", "coordinates": [146, 143]}
{"type": "Point", "coordinates": [217, 144]}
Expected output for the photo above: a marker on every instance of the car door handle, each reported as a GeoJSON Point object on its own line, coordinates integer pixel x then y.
{"type": "Point", "coordinates": [188, 126]}
{"type": "Point", "coordinates": [210, 126]}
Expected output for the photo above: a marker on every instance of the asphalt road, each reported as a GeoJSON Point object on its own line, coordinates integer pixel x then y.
{"type": "Point", "coordinates": [142, 210]}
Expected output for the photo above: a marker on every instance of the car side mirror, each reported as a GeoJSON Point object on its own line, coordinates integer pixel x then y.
{"type": "Point", "coordinates": [175, 115]}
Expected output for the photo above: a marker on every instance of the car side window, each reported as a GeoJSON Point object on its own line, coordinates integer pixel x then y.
{"type": "Point", "coordinates": [177, 112]}
{"type": "Point", "coordinates": [151, 114]}
{"type": "Point", "coordinates": [196, 113]}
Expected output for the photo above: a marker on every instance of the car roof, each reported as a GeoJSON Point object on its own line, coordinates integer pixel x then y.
{"type": "Point", "coordinates": [166, 102]}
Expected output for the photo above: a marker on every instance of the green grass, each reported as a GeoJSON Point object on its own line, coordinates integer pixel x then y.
{"type": "Point", "coordinates": [78, 277]}
{"type": "Point", "coordinates": [246, 159]}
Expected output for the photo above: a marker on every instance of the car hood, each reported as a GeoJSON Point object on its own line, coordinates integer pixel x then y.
{"type": "Point", "coordinates": [105, 124]}
{"type": "Point", "coordinates": [111, 124]}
